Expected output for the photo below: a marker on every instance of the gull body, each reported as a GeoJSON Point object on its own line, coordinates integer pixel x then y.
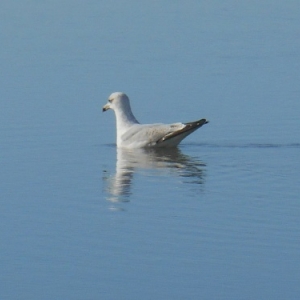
{"type": "Point", "coordinates": [132, 134]}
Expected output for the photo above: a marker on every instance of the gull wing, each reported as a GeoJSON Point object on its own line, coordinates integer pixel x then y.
{"type": "Point", "coordinates": [158, 135]}
{"type": "Point", "coordinates": [175, 137]}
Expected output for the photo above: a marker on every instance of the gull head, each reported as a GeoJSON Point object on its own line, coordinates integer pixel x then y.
{"type": "Point", "coordinates": [117, 101]}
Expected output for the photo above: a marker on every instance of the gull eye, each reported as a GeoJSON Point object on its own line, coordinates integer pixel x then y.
{"type": "Point", "coordinates": [110, 100]}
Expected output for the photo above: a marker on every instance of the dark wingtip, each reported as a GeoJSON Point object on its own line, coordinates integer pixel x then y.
{"type": "Point", "coordinates": [198, 123]}
{"type": "Point", "coordinates": [203, 121]}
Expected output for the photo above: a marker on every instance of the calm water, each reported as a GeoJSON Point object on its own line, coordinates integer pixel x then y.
{"type": "Point", "coordinates": [217, 218]}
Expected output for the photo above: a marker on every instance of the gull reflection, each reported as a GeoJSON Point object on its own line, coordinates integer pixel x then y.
{"type": "Point", "coordinates": [163, 162]}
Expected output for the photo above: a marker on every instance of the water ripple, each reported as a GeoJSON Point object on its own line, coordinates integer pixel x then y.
{"type": "Point", "coordinates": [246, 145]}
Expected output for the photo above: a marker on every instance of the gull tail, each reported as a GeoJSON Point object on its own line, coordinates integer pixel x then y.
{"type": "Point", "coordinates": [174, 138]}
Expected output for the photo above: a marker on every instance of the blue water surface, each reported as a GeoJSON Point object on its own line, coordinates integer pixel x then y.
{"type": "Point", "coordinates": [217, 218]}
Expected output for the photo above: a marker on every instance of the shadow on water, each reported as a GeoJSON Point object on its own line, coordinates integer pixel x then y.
{"type": "Point", "coordinates": [164, 162]}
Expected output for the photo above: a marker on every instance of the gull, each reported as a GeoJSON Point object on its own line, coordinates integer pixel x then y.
{"type": "Point", "coordinates": [132, 134]}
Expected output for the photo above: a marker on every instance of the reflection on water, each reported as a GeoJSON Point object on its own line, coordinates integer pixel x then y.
{"type": "Point", "coordinates": [164, 162]}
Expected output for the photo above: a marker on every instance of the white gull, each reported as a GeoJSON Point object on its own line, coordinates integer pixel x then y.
{"type": "Point", "coordinates": [132, 134]}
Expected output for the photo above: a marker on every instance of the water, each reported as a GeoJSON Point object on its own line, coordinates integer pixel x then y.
{"type": "Point", "coordinates": [217, 218]}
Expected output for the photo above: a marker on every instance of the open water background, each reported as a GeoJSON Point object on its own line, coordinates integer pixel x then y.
{"type": "Point", "coordinates": [217, 218]}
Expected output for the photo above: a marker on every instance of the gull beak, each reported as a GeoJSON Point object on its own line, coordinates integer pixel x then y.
{"type": "Point", "coordinates": [105, 107]}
